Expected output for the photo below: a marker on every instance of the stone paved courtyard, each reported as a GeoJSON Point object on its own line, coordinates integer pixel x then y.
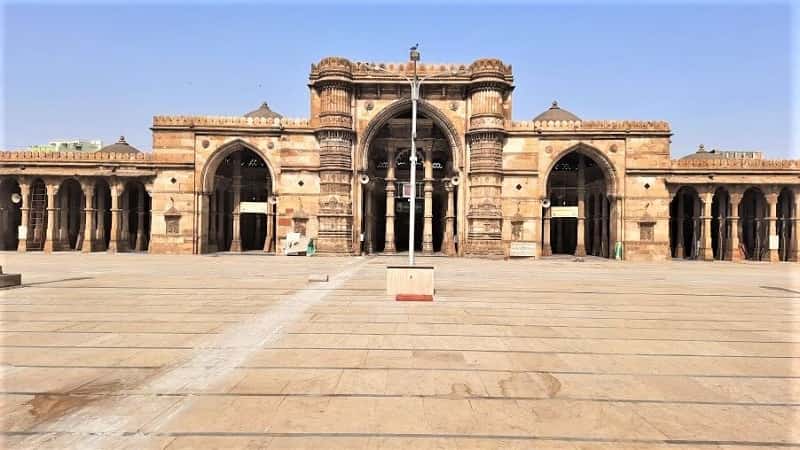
{"type": "Point", "coordinates": [146, 351]}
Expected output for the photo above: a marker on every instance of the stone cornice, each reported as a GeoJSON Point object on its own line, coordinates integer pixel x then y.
{"type": "Point", "coordinates": [589, 126]}
{"type": "Point", "coordinates": [735, 164]}
{"type": "Point", "coordinates": [228, 123]}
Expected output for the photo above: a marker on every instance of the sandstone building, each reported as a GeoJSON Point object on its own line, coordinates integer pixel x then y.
{"type": "Point", "coordinates": [236, 184]}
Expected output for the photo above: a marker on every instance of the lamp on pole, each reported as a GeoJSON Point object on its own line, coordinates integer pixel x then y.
{"type": "Point", "coordinates": [415, 82]}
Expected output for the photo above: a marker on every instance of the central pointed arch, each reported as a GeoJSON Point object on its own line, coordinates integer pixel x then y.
{"type": "Point", "coordinates": [218, 156]}
{"type": "Point", "coordinates": [597, 156]}
{"type": "Point", "coordinates": [399, 107]}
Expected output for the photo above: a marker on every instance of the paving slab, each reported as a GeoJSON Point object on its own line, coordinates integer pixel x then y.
{"type": "Point", "coordinates": [149, 351]}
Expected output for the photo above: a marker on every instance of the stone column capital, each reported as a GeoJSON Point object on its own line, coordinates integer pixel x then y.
{"type": "Point", "coordinates": [772, 197]}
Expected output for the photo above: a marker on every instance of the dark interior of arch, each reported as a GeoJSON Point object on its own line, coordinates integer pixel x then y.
{"type": "Point", "coordinates": [255, 184]}
{"type": "Point", "coordinates": [577, 175]}
{"type": "Point", "coordinates": [397, 132]}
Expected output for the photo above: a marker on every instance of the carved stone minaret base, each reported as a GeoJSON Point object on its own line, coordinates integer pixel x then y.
{"type": "Point", "coordinates": [332, 93]}
{"type": "Point", "coordinates": [485, 217]}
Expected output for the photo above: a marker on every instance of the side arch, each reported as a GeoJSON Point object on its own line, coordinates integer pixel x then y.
{"type": "Point", "coordinates": [400, 106]}
{"type": "Point", "coordinates": [605, 164]}
{"type": "Point", "coordinates": [216, 158]}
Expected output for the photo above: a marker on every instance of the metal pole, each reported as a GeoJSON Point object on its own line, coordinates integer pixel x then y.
{"type": "Point", "coordinates": [413, 161]}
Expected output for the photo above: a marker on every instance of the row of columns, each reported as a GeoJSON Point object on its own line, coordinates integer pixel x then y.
{"type": "Point", "coordinates": [706, 251]}
{"type": "Point", "coordinates": [427, 228]}
{"type": "Point", "coordinates": [89, 231]}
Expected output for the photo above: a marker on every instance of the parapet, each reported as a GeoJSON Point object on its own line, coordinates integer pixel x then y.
{"type": "Point", "coordinates": [73, 156]}
{"type": "Point", "coordinates": [736, 163]}
{"type": "Point", "coordinates": [590, 125]}
{"type": "Point", "coordinates": [341, 67]}
{"type": "Point", "coordinates": [266, 123]}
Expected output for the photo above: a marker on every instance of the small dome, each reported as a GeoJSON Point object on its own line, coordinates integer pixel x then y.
{"type": "Point", "coordinates": [555, 113]}
{"type": "Point", "coordinates": [121, 146]}
{"type": "Point", "coordinates": [702, 153]}
{"type": "Point", "coordinates": [264, 111]}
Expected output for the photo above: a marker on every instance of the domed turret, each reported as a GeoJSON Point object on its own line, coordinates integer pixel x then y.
{"type": "Point", "coordinates": [263, 111]}
{"type": "Point", "coordinates": [555, 113]}
{"type": "Point", "coordinates": [121, 146]}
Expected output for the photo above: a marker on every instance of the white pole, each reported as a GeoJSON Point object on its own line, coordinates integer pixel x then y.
{"type": "Point", "coordinates": [413, 160]}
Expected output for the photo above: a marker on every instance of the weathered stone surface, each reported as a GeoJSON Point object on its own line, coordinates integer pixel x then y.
{"type": "Point", "coordinates": [547, 353]}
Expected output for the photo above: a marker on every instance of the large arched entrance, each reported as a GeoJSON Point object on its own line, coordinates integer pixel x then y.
{"type": "Point", "coordinates": [240, 215]}
{"type": "Point", "coordinates": [385, 208]}
{"type": "Point", "coordinates": [10, 213]}
{"type": "Point", "coordinates": [578, 221]}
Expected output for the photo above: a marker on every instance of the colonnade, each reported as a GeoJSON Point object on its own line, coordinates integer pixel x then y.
{"type": "Point", "coordinates": [756, 223]}
{"type": "Point", "coordinates": [448, 240]}
{"type": "Point", "coordinates": [85, 214]}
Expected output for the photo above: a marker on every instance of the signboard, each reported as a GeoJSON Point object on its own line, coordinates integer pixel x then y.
{"type": "Point", "coordinates": [774, 243]}
{"type": "Point", "coordinates": [563, 211]}
{"type": "Point", "coordinates": [523, 249]}
{"type": "Point", "coordinates": [253, 207]}
{"type": "Point", "coordinates": [406, 189]}
{"type": "Point", "coordinates": [22, 232]}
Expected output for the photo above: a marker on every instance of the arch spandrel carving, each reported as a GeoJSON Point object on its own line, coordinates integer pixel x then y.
{"type": "Point", "coordinates": [365, 139]}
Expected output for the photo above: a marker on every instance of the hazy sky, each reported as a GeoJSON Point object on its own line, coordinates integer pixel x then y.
{"type": "Point", "coordinates": [720, 73]}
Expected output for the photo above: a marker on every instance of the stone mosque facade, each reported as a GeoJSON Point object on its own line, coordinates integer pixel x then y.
{"type": "Point", "coordinates": [488, 186]}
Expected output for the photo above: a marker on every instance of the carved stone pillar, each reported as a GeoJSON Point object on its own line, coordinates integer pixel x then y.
{"type": "Point", "coordinates": [88, 232]}
{"type": "Point", "coordinates": [101, 218]}
{"type": "Point", "coordinates": [236, 240]}
{"type": "Point", "coordinates": [733, 220]}
{"type": "Point", "coordinates": [706, 250]}
{"type": "Point", "coordinates": [488, 93]}
{"type": "Point", "coordinates": [794, 254]}
{"type": "Point", "coordinates": [369, 223]}
{"type": "Point", "coordinates": [331, 81]}
{"type": "Point", "coordinates": [124, 235]}
{"type": "Point", "coordinates": [140, 221]}
{"type": "Point", "coordinates": [389, 247]}
{"type": "Point", "coordinates": [427, 228]}
{"type": "Point", "coordinates": [116, 218]}
{"type": "Point", "coordinates": [51, 234]}
{"type": "Point", "coordinates": [484, 217]}
{"type": "Point", "coordinates": [616, 225]}
{"type": "Point", "coordinates": [604, 251]}
{"type": "Point", "coordinates": [270, 228]}
{"type": "Point", "coordinates": [25, 192]}
{"type": "Point", "coordinates": [220, 218]}
{"type": "Point", "coordinates": [772, 235]}
{"type": "Point", "coordinates": [679, 251]}
{"type": "Point", "coordinates": [212, 222]}
{"type": "Point", "coordinates": [449, 243]}
{"type": "Point", "coordinates": [580, 247]}
{"type": "Point", "coordinates": [547, 249]}
{"type": "Point", "coordinates": [596, 223]}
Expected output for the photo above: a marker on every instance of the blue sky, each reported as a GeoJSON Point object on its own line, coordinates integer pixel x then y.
{"type": "Point", "coordinates": [719, 72]}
